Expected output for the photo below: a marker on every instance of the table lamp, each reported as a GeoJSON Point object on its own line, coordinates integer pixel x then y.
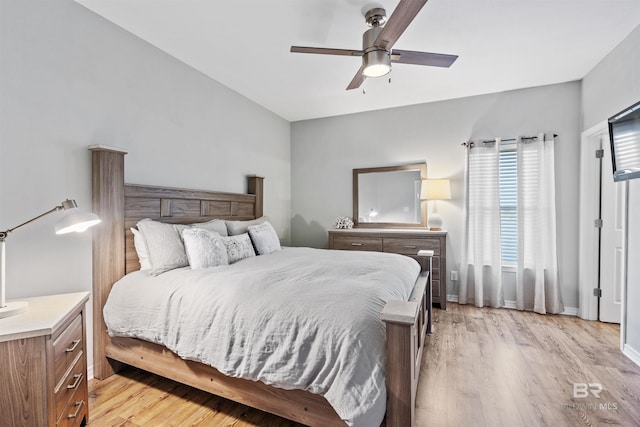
{"type": "Point", "coordinates": [73, 220]}
{"type": "Point", "coordinates": [435, 189]}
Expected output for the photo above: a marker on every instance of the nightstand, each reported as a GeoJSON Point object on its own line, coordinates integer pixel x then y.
{"type": "Point", "coordinates": [43, 363]}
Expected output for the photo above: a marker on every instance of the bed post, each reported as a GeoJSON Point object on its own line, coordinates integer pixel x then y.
{"type": "Point", "coordinates": [108, 243]}
{"type": "Point", "coordinates": [407, 323]}
{"type": "Point", "coordinates": [256, 187]}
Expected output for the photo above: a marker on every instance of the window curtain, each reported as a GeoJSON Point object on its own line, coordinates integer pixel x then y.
{"type": "Point", "coordinates": [481, 263]}
{"type": "Point", "coordinates": [537, 284]}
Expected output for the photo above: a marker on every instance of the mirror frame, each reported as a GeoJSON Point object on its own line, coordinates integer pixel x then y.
{"type": "Point", "coordinates": [422, 167]}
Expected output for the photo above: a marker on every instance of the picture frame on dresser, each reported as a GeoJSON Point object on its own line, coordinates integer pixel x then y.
{"type": "Point", "coordinates": [389, 196]}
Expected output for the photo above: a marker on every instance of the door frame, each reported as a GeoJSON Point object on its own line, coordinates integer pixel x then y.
{"type": "Point", "coordinates": [589, 211]}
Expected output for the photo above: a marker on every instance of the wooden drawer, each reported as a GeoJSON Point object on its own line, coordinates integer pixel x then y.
{"type": "Point", "coordinates": [435, 288]}
{"type": "Point", "coordinates": [355, 243]}
{"type": "Point", "coordinates": [67, 347]}
{"type": "Point", "coordinates": [410, 246]}
{"type": "Point", "coordinates": [74, 411]}
{"type": "Point", "coordinates": [74, 381]}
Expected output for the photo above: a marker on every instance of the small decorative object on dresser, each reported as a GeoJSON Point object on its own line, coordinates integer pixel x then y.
{"type": "Point", "coordinates": [43, 363]}
{"type": "Point", "coordinates": [343, 222]}
{"type": "Point", "coordinates": [402, 241]}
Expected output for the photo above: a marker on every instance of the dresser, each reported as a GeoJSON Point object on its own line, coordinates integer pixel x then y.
{"type": "Point", "coordinates": [400, 241]}
{"type": "Point", "coordinates": [43, 363]}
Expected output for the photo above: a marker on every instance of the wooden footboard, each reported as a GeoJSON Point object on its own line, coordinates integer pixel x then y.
{"type": "Point", "coordinates": [407, 324]}
{"type": "Point", "coordinates": [120, 207]}
{"type": "Point", "coordinates": [298, 405]}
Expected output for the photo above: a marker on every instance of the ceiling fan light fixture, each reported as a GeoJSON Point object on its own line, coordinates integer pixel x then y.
{"type": "Point", "coordinates": [377, 63]}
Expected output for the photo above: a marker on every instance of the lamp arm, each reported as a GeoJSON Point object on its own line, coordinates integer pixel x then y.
{"type": "Point", "coordinates": [4, 234]}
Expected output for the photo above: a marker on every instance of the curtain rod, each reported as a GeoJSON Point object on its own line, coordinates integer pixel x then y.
{"type": "Point", "coordinates": [485, 141]}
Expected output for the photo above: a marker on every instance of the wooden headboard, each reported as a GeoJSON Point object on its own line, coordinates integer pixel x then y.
{"type": "Point", "coordinates": [175, 205]}
{"type": "Point", "coordinates": [120, 206]}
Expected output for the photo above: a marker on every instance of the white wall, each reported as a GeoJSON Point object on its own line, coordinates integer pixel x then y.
{"type": "Point", "coordinates": [69, 78]}
{"type": "Point", "coordinates": [324, 152]}
{"type": "Point", "coordinates": [609, 88]}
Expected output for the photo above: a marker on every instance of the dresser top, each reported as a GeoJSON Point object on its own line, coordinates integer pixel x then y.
{"type": "Point", "coordinates": [412, 231]}
{"type": "Point", "coordinates": [43, 316]}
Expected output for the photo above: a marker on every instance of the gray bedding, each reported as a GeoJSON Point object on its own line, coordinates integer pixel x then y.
{"type": "Point", "coordinates": [298, 318]}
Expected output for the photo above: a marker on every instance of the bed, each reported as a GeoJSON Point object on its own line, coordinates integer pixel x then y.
{"type": "Point", "coordinates": [121, 206]}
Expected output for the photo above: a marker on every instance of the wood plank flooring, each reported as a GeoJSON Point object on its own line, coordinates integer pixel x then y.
{"type": "Point", "coordinates": [481, 367]}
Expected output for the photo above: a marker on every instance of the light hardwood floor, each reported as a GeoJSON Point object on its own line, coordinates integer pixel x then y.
{"type": "Point", "coordinates": [481, 367]}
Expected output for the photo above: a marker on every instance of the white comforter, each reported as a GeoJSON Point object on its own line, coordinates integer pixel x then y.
{"type": "Point", "coordinates": [299, 318]}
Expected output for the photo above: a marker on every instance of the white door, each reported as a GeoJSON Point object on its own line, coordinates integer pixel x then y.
{"type": "Point", "coordinates": [613, 215]}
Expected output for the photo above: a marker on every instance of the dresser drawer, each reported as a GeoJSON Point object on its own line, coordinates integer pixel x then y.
{"type": "Point", "coordinates": [355, 243]}
{"type": "Point", "coordinates": [67, 347]}
{"type": "Point", "coordinates": [410, 246]}
{"type": "Point", "coordinates": [435, 289]}
{"type": "Point", "coordinates": [74, 411]}
{"type": "Point", "coordinates": [74, 383]}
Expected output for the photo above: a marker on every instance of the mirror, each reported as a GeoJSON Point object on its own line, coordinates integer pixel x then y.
{"type": "Point", "coordinates": [389, 197]}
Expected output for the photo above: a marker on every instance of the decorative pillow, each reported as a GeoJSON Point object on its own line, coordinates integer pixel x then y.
{"type": "Point", "coordinates": [141, 249]}
{"type": "Point", "coordinates": [239, 247]}
{"type": "Point", "coordinates": [217, 225]}
{"type": "Point", "coordinates": [240, 227]}
{"type": "Point", "coordinates": [204, 248]}
{"type": "Point", "coordinates": [164, 245]}
{"type": "Point", "coordinates": [264, 238]}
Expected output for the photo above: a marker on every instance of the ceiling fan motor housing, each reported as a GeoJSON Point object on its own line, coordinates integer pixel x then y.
{"type": "Point", "coordinates": [376, 61]}
{"type": "Point", "coordinates": [376, 17]}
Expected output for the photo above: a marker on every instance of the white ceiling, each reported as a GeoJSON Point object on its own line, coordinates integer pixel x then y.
{"type": "Point", "coordinates": [502, 44]}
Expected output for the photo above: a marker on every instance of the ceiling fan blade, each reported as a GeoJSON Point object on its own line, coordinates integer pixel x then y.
{"type": "Point", "coordinates": [357, 80]}
{"type": "Point", "coordinates": [398, 22]}
{"type": "Point", "coordinates": [422, 58]}
{"type": "Point", "coordinates": [326, 51]}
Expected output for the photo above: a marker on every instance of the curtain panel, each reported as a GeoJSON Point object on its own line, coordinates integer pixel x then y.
{"type": "Point", "coordinates": [537, 284]}
{"type": "Point", "coordinates": [481, 262]}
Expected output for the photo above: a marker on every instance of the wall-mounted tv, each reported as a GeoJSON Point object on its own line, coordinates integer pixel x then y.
{"type": "Point", "coordinates": [624, 133]}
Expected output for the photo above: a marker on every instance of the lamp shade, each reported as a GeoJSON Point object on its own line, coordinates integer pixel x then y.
{"type": "Point", "coordinates": [76, 220]}
{"type": "Point", "coordinates": [435, 189]}
{"type": "Point", "coordinates": [376, 63]}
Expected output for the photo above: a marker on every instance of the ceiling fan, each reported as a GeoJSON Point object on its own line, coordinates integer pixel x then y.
{"type": "Point", "coordinates": [377, 42]}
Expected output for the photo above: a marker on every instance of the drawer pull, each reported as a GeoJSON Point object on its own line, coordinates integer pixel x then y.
{"type": "Point", "coordinates": [78, 378]}
{"type": "Point", "coordinates": [74, 345]}
{"type": "Point", "coordinates": [410, 246]}
{"type": "Point", "coordinates": [356, 244]}
{"type": "Point", "coordinates": [78, 409]}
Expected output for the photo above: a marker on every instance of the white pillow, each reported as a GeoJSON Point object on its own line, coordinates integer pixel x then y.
{"type": "Point", "coordinates": [164, 245]}
{"type": "Point", "coordinates": [240, 227]}
{"type": "Point", "coordinates": [204, 248]}
{"type": "Point", "coordinates": [217, 225]}
{"type": "Point", "coordinates": [238, 247]}
{"type": "Point", "coordinates": [264, 238]}
{"type": "Point", "coordinates": [141, 249]}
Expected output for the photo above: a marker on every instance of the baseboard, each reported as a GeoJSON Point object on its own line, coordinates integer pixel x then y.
{"type": "Point", "coordinates": [631, 353]}
{"type": "Point", "coordinates": [568, 311]}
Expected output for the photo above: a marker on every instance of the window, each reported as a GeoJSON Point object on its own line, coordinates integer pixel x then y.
{"type": "Point", "coordinates": [508, 204]}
